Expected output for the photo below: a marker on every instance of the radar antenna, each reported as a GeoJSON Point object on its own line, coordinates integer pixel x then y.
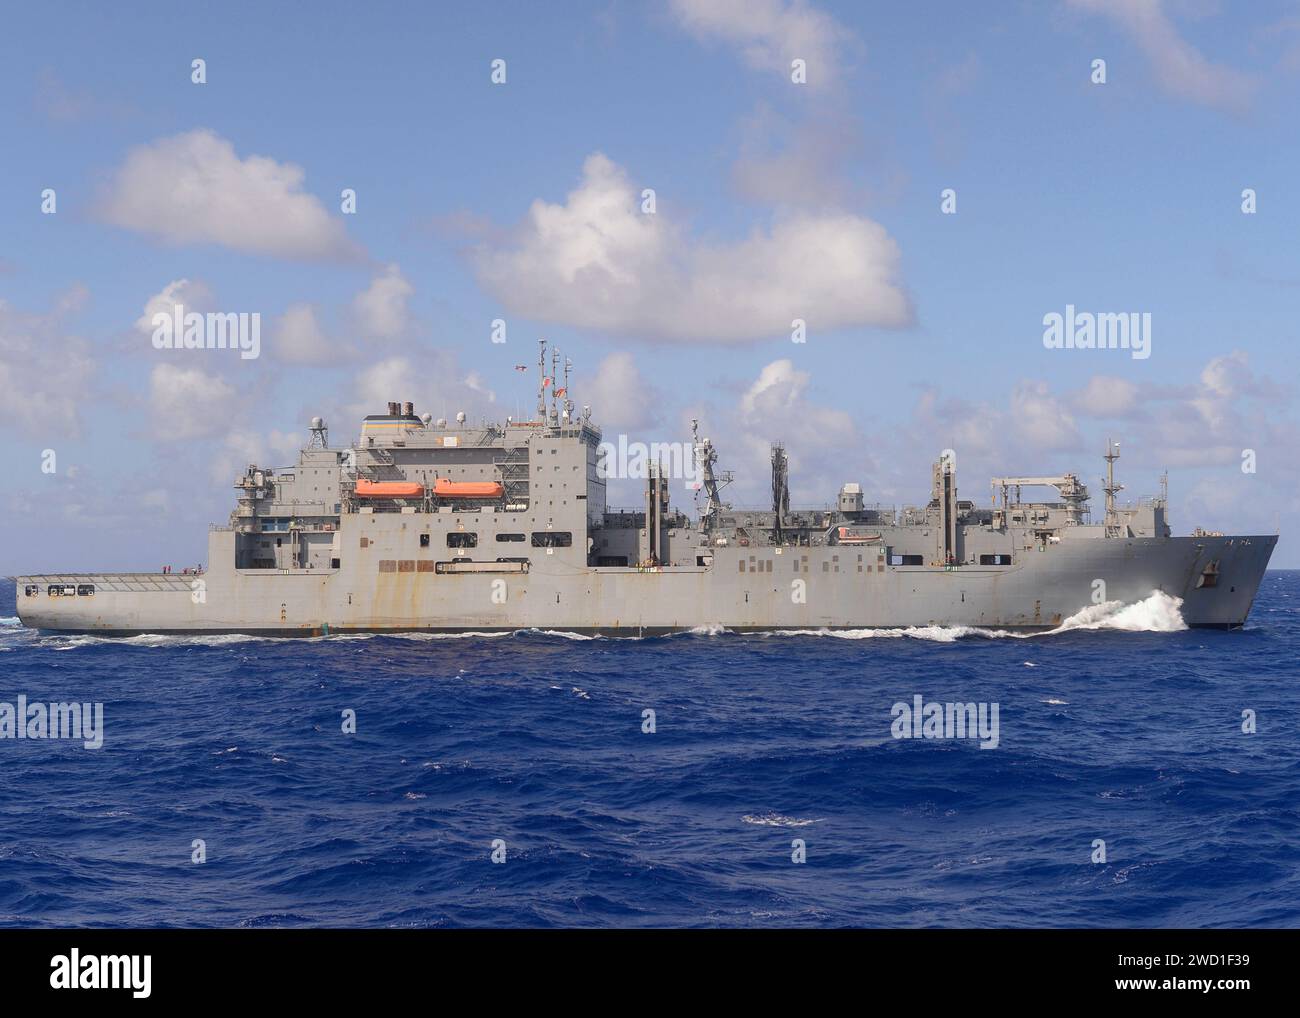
{"type": "Point", "coordinates": [712, 481]}
{"type": "Point", "coordinates": [320, 435]}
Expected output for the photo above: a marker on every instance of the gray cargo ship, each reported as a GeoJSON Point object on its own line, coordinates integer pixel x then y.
{"type": "Point", "coordinates": [425, 525]}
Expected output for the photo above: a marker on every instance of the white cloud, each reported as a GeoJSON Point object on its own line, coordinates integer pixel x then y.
{"type": "Point", "coordinates": [434, 383]}
{"type": "Point", "coordinates": [194, 189]}
{"type": "Point", "coordinates": [46, 373]}
{"type": "Point", "coordinates": [1106, 396]}
{"type": "Point", "coordinates": [770, 33]}
{"type": "Point", "coordinates": [1180, 68]}
{"type": "Point", "coordinates": [1043, 420]}
{"type": "Point", "coordinates": [193, 294]}
{"type": "Point", "coordinates": [239, 448]}
{"type": "Point", "coordinates": [598, 262]}
{"type": "Point", "coordinates": [188, 403]}
{"type": "Point", "coordinates": [626, 400]}
{"type": "Point", "coordinates": [297, 337]}
{"type": "Point", "coordinates": [824, 444]}
{"type": "Point", "coordinates": [380, 311]}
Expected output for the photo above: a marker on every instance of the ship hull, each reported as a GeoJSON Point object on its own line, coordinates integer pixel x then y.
{"type": "Point", "coordinates": [741, 589]}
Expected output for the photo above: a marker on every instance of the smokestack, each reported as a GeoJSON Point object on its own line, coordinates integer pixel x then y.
{"type": "Point", "coordinates": [408, 409]}
{"type": "Point", "coordinates": [392, 409]}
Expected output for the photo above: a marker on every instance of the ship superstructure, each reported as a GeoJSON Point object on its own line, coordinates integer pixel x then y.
{"type": "Point", "coordinates": [438, 525]}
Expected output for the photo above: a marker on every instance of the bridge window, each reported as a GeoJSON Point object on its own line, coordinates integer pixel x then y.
{"type": "Point", "coordinates": [462, 539]}
{"type": "Point", "coordinates": [552, 539]}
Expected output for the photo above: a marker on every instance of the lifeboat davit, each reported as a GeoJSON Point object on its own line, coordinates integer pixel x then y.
{"type": "Point", "coordinates": [444, 488]}
{"type": "Point", "coordinates": [389, 489]}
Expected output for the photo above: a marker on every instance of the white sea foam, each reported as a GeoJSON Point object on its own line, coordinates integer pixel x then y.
{"type": "Point", "coordinates": [777, 820]}
{"type": "Point", "coordinates": [937, 634]}
{"type": "Point", "coordinates": [1157, 613]}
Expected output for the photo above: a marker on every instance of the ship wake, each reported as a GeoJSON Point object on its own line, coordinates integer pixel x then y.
{"type": "Point", "coordinates": [1157, 613]}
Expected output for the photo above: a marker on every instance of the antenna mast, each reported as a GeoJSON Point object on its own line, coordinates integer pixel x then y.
{"type": "Point", "coordinates": [1111, 488]}
{"type": "Point", "coordinates": [541, 380]}
{"type": "Point", "coordinates": [568, 401]}
{"type": "Point", "coordinates": [555, 402]}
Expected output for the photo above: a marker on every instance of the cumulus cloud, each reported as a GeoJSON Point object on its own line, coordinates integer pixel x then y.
{"type": "Point", "coordinates": [298, 337]}
{"type": "Point", "coordinates": [1180, 68]}
{"type": "Point", "coordinates": [598, 262]}
{"type": "Point", "coordinates": [46, 372]}
{"type": "Point", "coordinates": [194, 189]}
{"type": "Point", "coordinates": [823, 443]}
{"type": "Point", "coordinates": [243, 446]}
{"type": "Point", "coordinates": [194, 295]}
{"type": "Point", "coordinates": [770, 34]}
{"type": "Point", "coordinates": [434, 382]}
{"type": "Point", "coordinates": [626, 400]}
{"type": "Point", "coordinates": [380, 311]}
{"type": "Point", "coordinates": [189, 403]}
{"type": "Point", "coordinates": [1106, 396]}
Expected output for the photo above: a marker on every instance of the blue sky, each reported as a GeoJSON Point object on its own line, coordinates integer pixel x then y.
{"type": "Point", "coordinates": [521, 201]}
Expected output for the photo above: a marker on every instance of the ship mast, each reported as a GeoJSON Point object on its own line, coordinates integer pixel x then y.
{"type": "Point", "coordinates": [705, 457]}
{"type": "Point", "coordinates": [1111, 488]}
{"type": "Point", "coordinates": [541, 380]}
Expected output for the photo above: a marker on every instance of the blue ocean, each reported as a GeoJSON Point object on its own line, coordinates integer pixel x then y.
{"type": "Point", "coordinates": [536, 749]}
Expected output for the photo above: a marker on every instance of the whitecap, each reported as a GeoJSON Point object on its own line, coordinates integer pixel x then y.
{"type": "Point", "coordinates": [771, 819]}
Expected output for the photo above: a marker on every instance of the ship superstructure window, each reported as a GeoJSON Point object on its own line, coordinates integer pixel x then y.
{"type": "Point", "coordinates": [462, 539]}
{"type": "Point", "coordinates": [424, 540]}
{"type": "Point", "coordinates": [552, 539]}
{"type": "Point", "coordinates": [85, 589]}
{"type": "Point", "coordinates": [510, 537]}
{"type": "Point", "coordinates": [31, 590]}
{"type": "Point", "coordinates": [907, 560]}
{"type": "Point", "coordinates": [995, 560]}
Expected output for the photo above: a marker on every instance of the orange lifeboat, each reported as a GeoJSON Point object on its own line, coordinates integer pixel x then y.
{"type": "Point", "coordinates": [444, 488]}
{"type": "Point", "coordinates": [388, 489]}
